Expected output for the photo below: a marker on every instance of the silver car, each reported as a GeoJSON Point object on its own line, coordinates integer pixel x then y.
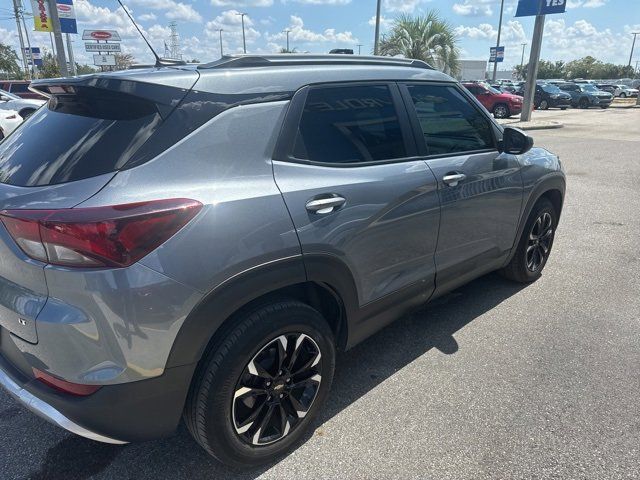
{"type": "Point", "coordinates": [24, 106]}
{"type": "Point", "coordinates": [197, 242]}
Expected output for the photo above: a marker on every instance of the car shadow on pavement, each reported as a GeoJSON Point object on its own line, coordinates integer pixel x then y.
{"type": "Point", "coordinates": [357, 372]}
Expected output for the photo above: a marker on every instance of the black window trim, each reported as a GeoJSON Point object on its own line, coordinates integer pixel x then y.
{"type": "Point", "coordinates": [286, 140]}
{"type": "Point", "coordinates": [419, 139]}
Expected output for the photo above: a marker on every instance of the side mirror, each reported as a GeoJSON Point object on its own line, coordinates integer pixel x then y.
{"type": "Point", "coordinates": [515, 141]}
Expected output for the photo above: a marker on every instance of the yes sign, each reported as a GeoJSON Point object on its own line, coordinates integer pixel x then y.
{"type": "Point", "coordinates": [528, 8]}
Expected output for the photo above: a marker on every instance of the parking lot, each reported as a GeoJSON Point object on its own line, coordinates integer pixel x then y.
{"type": "Point", "coordinates": [494, 381]}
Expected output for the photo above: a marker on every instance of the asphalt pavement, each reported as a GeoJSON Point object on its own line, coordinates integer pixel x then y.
{"type": "Point", "coordinates": [494, 381]}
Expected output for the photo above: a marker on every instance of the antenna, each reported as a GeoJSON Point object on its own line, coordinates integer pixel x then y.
{"type": "Point", "coordinates": [160, 62]}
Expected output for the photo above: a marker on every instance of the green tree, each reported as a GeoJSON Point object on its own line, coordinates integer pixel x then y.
{"type": "Point", "coordinates": [49, 67]}
{"type": "Point", "coordinates": [9, 61]}
{"type": "Point", "coordinates": [284, 50]}
{"type": "Point", "coordinates": [427, 37]}
{"type": "Point", "coordinates": [84, 69]}
{"type": "Point", "coordinates": [123, 61]}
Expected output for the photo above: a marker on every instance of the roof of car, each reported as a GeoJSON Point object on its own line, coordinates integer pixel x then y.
{"type": "Point", "coordinates": [243, 74]}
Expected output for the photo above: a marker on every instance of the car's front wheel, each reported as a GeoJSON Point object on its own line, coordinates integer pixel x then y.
{"type": "Point", "coordinates": [544, 105]}
{"type": "Point", "coordinates": [534, 246]}
{"type": "Point", "coordinates": [623, 95]}
{"type": "Point", "coordinates": [259, 387]}
{"type": "Point", "coordinates": [584, 103]}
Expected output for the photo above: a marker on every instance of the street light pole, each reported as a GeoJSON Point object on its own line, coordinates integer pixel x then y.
{"type": "Point", "coordinates": [16, 11]}
{"type": "Point", "coordinates": [532, 69]}
{"type": "Point", "coordinates": [57, 35]}
{"type": "Point", "coordinates": [495, 63]}
{"type": "Point", "coordinates": [633, 45]}
{"type": "Point", "coordinates": [220, 32]}
{"type": "Point", "coordinates": [359, 46]}
{"type": "Point", "coordinates": [376, 45]}
{"type": "Point", "coordinates": [522, 60]}
{"type": "Point", "coordinates": [244, 40]}
{"type": "Point", "coordinates": [287, 32]}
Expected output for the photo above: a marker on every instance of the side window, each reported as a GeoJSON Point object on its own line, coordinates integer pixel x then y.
{"type": "Point", "coordinates": [349, 125]}
{"type": "Point", "coordinates": [19, 88]}
{"type": "Point", "coordinates": [449, 122]}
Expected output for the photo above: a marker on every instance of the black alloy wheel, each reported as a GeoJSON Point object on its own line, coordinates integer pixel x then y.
{"type": "Point", "coordinates": [539, 244]}
{"type": "Point", "coordinates": [501, 111]}
{"type": "Point", "coordinates": [544, 105]}
{"type": "Point", "coordinates": [277, 388]}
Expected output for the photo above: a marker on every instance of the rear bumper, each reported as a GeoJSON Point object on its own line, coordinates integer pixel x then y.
{"type": "Point", "coordinates": [115, 414]}
{"type": "Point", "coordinates": [515, 109]}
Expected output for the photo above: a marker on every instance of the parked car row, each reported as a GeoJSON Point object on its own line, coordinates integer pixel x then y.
{"type": "Point", "coordinates": [9, 121]}
{"type": "Point", "coordinates": [20, 88]}
{"type": "Point", "coordinates": [504, 99]}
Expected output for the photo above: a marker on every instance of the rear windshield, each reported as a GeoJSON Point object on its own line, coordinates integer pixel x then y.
{"type": "Point", "coordinates": [77, 136]}
{"type": "Point", "coordinates": [550, 88]}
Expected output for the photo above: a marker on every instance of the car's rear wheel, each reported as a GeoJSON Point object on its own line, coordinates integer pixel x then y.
{"type": "Point", "coordinates": [584, 103]}
{"type": "Point", "coordinates": [563, 108]}
{"type": "Point", "coordinates": [623, 95]}
{"type": "Point", "coordinates": [261, 385]}
{"type": "Point", "coordinates": [501, 111]}
{"type": "Point", "coordinates": [544, 105]}
{"type": "Point", "coordinates": [534, 246]}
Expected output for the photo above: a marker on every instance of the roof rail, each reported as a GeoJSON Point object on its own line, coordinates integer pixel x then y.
{"type": "Point", "coordinates": [288, 59]}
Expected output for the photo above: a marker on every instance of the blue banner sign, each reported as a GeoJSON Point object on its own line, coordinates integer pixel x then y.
{"type": "Point", "coordinates": [496, 54]}
{"type": "Point", "coordinates": [530, 8]}
{"type": "Point", "coordinates": [67, 16]}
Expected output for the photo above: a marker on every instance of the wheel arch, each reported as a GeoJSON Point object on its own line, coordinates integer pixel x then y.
{"type": "Point", "coordinates": [326, 284]}
{"type": "Point", "coordinates": [551, 188]}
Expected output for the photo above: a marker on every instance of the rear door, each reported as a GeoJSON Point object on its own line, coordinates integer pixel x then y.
{"type": "Point", "coordinates": [347, 168]}
{"type": "Point", "coordinates": [480, 188]}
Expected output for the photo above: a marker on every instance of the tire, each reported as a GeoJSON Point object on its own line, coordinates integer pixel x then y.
{"type": "Point", "coordinates": [520, 268]}
{"type": "Point", "coordinates": [501, 111]}
{"type": "Point", "coordinates": [215, 411]}
{"type": "Point", "coordinates": [583, 103]}
{"type": "Point", "coordinates": [26, 113]}
{"type": "Point", "coordinates": [563, 108]}
{"type": "Point", "coordinates": [604, 106]}
{"type": "Point", "coordinates": [623, 95]}
{"type": "Point", "coordinates": [544, 105]}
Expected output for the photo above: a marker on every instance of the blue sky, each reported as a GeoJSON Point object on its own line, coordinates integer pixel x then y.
{"type": "Point", "coordinates": [589, 27]}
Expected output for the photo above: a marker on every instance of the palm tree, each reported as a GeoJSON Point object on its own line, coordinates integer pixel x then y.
{"type": "Point", "coordinates": [428, 38]}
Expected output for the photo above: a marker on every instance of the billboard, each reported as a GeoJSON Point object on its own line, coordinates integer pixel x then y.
{"type": "Point", "coordinates": [34, 57]}
{"type": "Point", "coordinates": [104, 60]}
{"type": "Point", "coordinates": [530, 8]}
{"type": "Point", "coordinates": [102, 47]}
{"type": "Point", "coordinates": [41, 17]}
{"type": "Point", "coordinates": [67, 16]}
{"type": "Point", "coordinates": [101, 35]}
{"type": "Point", "coordinates": [496, 54]}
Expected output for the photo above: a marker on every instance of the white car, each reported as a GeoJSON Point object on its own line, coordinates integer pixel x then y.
{"type": "Point", "coordinates": [624, 91]}
{"type": "Point", "coordinates": [24, 106]}
{"type": "Point", "coordinates": [9, 121]}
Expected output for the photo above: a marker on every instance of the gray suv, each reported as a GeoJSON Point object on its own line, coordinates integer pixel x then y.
{"type": "Point", "coordinates": [197, 242]}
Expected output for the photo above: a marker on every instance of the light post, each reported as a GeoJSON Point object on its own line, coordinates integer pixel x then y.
{"type": "Point", "coordinates": [495, 63]}
{"type": "Point", "coordinates": [287, 32]}
{"type": "Point", "coordinates": [220, 30]}
{"type": "Point", "coordinates": [522, 61]}
{"type": "Point", "coordinates": [376, 45]}
{"type": "Point", "coordinates": [633, 45]}
{"type": "Point", "coordinates": [244, 41]}
{"type": "Point", "coordinates": [359, 47]}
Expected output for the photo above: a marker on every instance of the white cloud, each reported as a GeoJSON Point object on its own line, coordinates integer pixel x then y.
{"type": "Point", "coordinates": [322, 2]}
{"type": "Point", "coordinates": [231, 24]}
{"type": "Point", "coordinates": [403, 6]}
{"type": "Point", "coordinates": [302, 35]}
{"type": "Point", "coordinates": [385, 22]}
{"type": "Point", "coordinates": [173, 10]}
{"type": "Point", "coordinates": [241, 3]}
{"type": "Point", "coordinates": [147, 17]}
{"type": "Point", "coordinates": [586, 3]}
{"type": "Point", "coordinates": [473, 8]}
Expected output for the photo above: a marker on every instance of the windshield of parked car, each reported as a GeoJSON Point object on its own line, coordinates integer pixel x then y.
{"type": "Point", "coordinates": [10, 95]}
{"type": "Point", "coordinates": [623, 87]}
{"type": "Point", "coordinates": [587, 87]}
{"type": "Point", "coordinates": [493, 90]}
{"type": "Point", "coordinates": [550, 88]}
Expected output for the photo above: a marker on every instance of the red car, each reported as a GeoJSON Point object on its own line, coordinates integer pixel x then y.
{"type": "Point", "coordinates": [502, 105]}
{"type": "Point", "coordinates": [20, 88]}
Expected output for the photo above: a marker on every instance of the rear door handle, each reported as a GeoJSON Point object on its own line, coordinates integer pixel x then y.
{"type": "Point", "coordinates": [452, 179]}
{"type": "Point", "coordinates": [322, 206]}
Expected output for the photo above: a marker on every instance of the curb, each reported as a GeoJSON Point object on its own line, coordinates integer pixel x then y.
{"type": "Point", "coordinates": [541, 126]}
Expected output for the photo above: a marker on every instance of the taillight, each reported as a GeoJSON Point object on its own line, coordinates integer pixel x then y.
{"type": "Point", "coordinates": [113, 236]}
{"type": "Point", "coordinates": [77, 389]}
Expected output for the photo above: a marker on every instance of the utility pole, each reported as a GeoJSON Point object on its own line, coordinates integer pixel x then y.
{"type": "Point", "coordinates": [376, 45]}
{"type": "Point", "coordinates": [220, 30]}
{"type": "Point", "coordinates": [72, 60]}
{"type": "Point", "coordinates": [244, 40]}
{"type": "Point", "coordinates": [16, 12]}
{"type": "Point", "coordinates": [57, 35]}
{"type": "Point", "coordinates": [287, 32]}
{"type": "Point", "coordinates": [495, 63]}
{"type": "Point", "coordinates": [632, 47]}
{"type": "Point", "coordinates": [26, 34]}
{"type": "Point", "coordinates": [359, 46]}
{"type": "Point", "coordinates": [522, 61]}
{"type": "Point", "coordinates": [532, 70]}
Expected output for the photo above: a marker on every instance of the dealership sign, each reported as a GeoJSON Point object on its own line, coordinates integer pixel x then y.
{"type": "Point", "coordinates": [33, 56]}
{"type": "Point", "coordinates": [67, 16]}
{"type": "Point", "coordinates": [104, 60]}
{"type": "Point", "coordinates": [530, 8]}
{"type": "Point", "coordinates": [102, 47]}
{"type": "Point", "coordinates": [496, 54]}
{"type": "Point", "coordinates": [41, 17]}
{"type": "Point", "coordinates": [101, 35]}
